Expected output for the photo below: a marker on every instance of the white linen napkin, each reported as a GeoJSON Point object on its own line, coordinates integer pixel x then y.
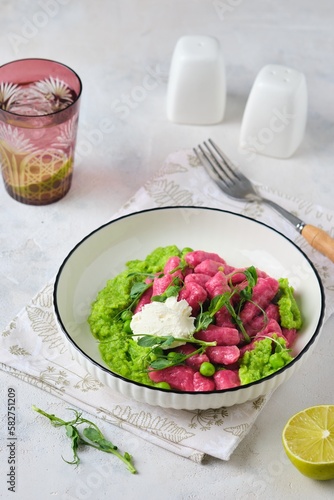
{"type": "Point", "coordinates": [34, 349]}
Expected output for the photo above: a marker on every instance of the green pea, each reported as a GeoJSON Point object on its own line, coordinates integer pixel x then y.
{"type": "Point", "coordinates": [276, 361]}
{"type": "Point", "coordinates": [172, 355]}
{"type": "Point", "coordinates": [127, 327]}
{"type": "Point", "coordinates": [126, 315]}
{"type": "Point", "coordinates": [207, 369]}
{"type": "Point", "coordinates": [163, 385]}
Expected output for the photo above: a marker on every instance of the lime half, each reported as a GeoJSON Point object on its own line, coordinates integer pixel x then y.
{"type": "Point", "coordinates": [308, 440]}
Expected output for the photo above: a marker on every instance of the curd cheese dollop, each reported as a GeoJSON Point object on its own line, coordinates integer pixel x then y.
{"type": "Point", "coordinates": [161, 319]}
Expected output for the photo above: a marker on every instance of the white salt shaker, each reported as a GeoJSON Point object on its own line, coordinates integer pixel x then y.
{"type": "Point", "coordinates": [276, 111]}
{"type": "Point", "coordinates": [196, 91]}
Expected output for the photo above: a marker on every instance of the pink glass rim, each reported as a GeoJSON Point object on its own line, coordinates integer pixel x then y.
{"type": "Point", "coordinates": [52, 63]}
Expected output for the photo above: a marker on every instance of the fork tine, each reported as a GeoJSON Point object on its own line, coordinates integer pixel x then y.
{"type": "Point", "coordinates": [230, 172]}
{"type": "Point", "coordinates": [213, 172]}
{"type": "Point", "coordinates": [222, 168]}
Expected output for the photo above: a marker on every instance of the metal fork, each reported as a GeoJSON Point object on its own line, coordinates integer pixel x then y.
{"type": "Point", "coordinates": [236, 185]}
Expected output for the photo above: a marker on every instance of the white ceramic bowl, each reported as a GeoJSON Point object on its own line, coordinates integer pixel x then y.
{"type": "Point", "coordinates": [241, 241]}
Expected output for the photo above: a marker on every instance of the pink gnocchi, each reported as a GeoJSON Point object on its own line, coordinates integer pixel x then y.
{"type": "Point", "coordinates": [205, 276]}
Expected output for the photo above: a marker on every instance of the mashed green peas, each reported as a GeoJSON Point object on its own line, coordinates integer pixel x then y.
{"type": "Point", "coordinates": [117, 347]}
{"type": "Point", "coordinates": [261, 361]}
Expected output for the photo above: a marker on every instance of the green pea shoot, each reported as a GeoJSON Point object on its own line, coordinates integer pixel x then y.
{"type": "Point", "coordinates": [91, 435]}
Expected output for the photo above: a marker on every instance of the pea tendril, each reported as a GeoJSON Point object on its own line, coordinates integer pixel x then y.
{"type": "Point", "coordinates": [91, 435]}
{"type": "Point", "coordinates": [165, 360]}
{"type": "Point", "coordinates": [204, 319]}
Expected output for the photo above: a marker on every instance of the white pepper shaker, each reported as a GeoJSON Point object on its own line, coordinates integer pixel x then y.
{"type": "Point", "coordinates": [276, 112]}
{"type": "Point", "coordinates": [196, 91]}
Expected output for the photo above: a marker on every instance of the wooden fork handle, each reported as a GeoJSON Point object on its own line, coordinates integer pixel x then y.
{"type": "Point", "coordinates": [320, 240]}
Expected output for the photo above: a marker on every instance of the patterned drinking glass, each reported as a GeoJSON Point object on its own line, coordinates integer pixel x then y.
{"type": "Point", "coordinates": [39, 111]}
